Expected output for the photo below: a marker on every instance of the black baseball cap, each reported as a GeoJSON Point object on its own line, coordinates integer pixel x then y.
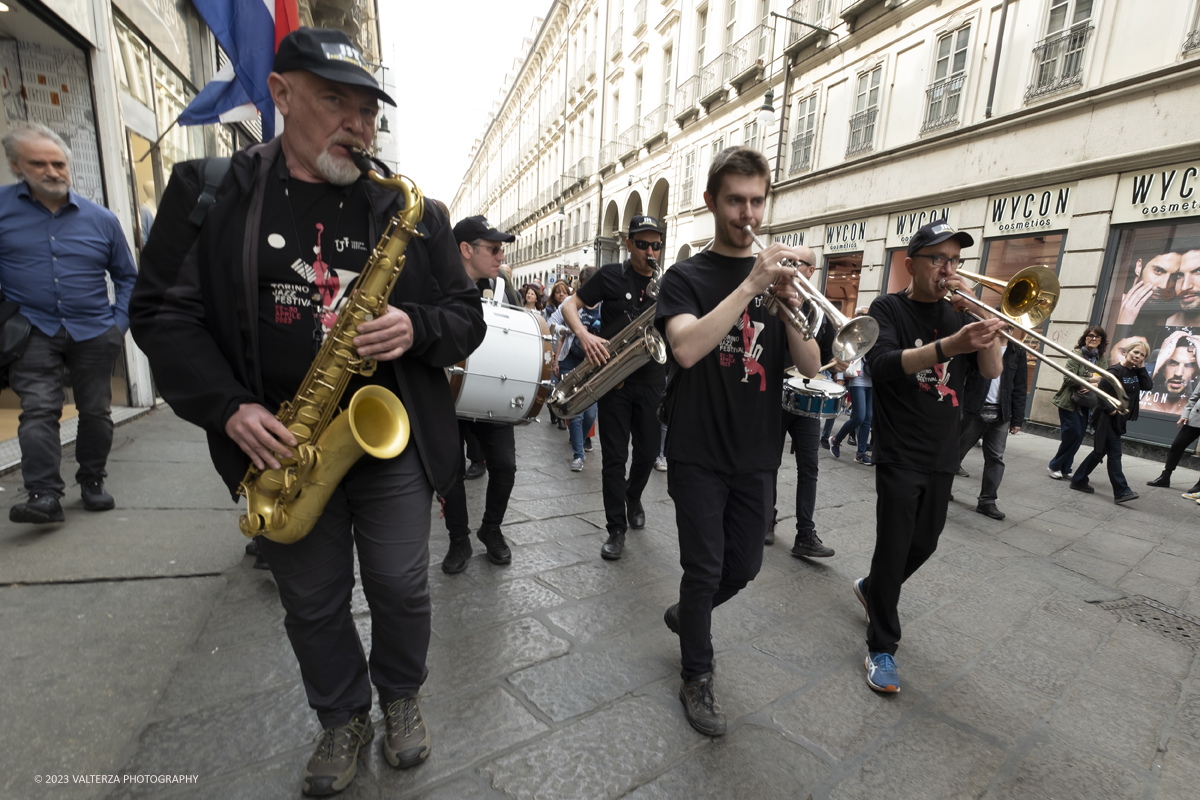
{"type": "Point", "coordinates": [477, 227]}
{"type": "Point", "coordinates": [329, 54]}
{"type": "Point", "coordinates": [936, 233]}
{"type": "Point", "coordinates": [640, 223]}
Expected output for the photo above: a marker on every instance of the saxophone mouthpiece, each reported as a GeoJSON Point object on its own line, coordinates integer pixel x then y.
{"type": "Point", "coordinates": [361, 158]}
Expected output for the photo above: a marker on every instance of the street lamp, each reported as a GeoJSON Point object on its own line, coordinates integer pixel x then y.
{"type": "Point", "coordinates": [766, 116]}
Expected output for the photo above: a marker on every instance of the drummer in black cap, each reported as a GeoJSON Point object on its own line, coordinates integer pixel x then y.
{"type": "Point", "coordinates": [480, 245]}
{"type": "Point", "coordinates": [232, 316]}
{"type": "Point", "coordinates": [630, 411]}
{"type": "Point", "coordinates": [917, 366]}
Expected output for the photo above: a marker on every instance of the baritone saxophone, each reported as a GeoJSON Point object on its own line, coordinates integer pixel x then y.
{"type": "Point", "coordinates": [284, 504]}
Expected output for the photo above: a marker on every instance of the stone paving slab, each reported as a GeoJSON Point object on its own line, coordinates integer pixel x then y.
{"type": "Point", "coordinates": [556, 678]}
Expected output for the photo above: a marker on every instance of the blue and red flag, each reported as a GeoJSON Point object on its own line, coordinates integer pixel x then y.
{"type": "Point", "coordinates": [249, 31]}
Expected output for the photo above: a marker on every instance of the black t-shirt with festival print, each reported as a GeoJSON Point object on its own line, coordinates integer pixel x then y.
{"type": "Point", "coordinates": [726, 416]}
{"type": "Point", "coordinates": [312, 249]}
{"type": "Point", "coordinates": [916, 417]}
{"type": "Point", "coordinates": [622, 290]}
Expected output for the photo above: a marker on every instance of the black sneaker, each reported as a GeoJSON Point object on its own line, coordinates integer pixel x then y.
{"type": "Point", "coordinates": [809, 545]}
{"type": "Point", "coordinates": [95, 498]}
{"type": "Point", "coordinates": [770, 537]}
{"type": "Point", "coordinates": [477, 470]}
{"type": "Point", "coordinates": [989, 509]}
{"type": "Point", "coordinates": [407, 741]}
{"type": "Point", "coordinates": [457, 556]}
{"type": "Point", "coordinates": [335, 761]}
{"type": "Point", "coordinates": [587, 444]}
{"type": "Point", "coordinates": [825, 442]}
{"type": "Point", "coordinates": [41, 508]}
{"type": "Point", "coordinates": [671, 617]}
{"type": "Point", "coordinates": [1125, 498]}
{"type": "Point", "coordinates": [1083, 486]}
{"type": "Point", "coordinates": [701, 706]}
{"type": "Point", "coordinates": [497, 548]}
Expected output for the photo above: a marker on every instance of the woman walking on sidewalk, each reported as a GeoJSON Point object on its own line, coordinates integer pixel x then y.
{"type": "Point", "coordinates": [1073, 418]}
{"type": "Point", "coordinates": [1110, 424]}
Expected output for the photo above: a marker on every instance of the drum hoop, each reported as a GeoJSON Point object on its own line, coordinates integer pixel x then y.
{"type": "Point", "coordinates": [543, 390]}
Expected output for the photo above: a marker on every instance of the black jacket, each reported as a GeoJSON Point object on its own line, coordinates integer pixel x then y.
{"type": "Point", "coordinates": [1013, 383]}
{"type": "Point", "coordinates": [194, 311]}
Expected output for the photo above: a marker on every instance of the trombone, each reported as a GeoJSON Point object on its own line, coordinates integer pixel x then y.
{"type": "Point", "coordinates": [854, 336]}
{"type": "Point", "coordinates": [1026, 301]}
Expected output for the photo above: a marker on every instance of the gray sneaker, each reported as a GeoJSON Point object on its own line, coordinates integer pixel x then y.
{"type": "Point", "coordinates": [809, 545]}
{"type": "Point", "coordinates": [701, 706]}
{"type": "Point", "coordinates": [335, 761]}
{"type": "Point", "coordinates": [407, 741]}
{"type": "Point", "coordinates": [577, 465]}
{"type": "Point", "coordinates": [660, 463]}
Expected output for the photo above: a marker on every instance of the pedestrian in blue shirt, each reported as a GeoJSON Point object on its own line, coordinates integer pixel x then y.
{"type": "Point", "coordinates": [55, 249]}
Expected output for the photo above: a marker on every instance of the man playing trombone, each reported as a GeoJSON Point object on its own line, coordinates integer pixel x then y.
{"type": "Point", "coordinates": [724, 411]}
{"type": "Point", "coordinates": [918, 383]}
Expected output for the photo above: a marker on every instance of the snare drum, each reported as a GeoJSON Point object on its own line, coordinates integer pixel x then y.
{"type": "Point", "coordinates": [812, 397]}
{"type": "Point", "coordinates": [507, 378]}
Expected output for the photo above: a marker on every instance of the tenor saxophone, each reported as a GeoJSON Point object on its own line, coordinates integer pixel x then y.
{"type": "Point", "coordinates": [284, 504]}
{"type": "Point", "coordinates": [638, 343]}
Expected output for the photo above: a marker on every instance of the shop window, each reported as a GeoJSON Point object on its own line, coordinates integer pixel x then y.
{"type": "Point", "coordinates": [134, 67]}
{"type": "Point", "coordinates": [1154, 293]}
{"type": "Point", "coordinates": [841, 281]}
{"type": "Point", "coordinates": [897, 277]}
{"type": "Point", "coordinates": [1007, 257]}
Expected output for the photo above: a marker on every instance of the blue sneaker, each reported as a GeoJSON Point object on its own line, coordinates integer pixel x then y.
{"type": "Point", "coordinates": [881, 672]}
{"type": "Point", "coordinates": [835, 447]}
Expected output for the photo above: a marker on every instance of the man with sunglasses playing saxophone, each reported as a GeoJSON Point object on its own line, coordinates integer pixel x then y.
{"type": "Point", "coordinates": [629, 411]}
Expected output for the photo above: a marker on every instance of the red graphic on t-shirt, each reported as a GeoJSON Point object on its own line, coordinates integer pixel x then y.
{"type": "Point", "coordinates": [942, 375]}
{"type": "Point", "coordinates": [752, 366]}
{"type": "Point", "coordinates": [328, 284]}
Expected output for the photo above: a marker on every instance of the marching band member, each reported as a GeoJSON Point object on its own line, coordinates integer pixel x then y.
{"type": "Point", "coordinates": [231, 317]}
{"type": "Point", "coordinates": [721, 451]}
{"type": "Point", "coordinates": [629, 411]}
{"type": "Point", "coordinates": [918, 387]}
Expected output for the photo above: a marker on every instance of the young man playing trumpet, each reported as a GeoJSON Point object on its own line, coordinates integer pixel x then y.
{"type": "Point", "coordinates": [721, 451]}
{"type": "Point", "coordinates": [918, 373]}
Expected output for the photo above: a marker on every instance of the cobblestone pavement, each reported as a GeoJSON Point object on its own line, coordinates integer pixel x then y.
{"type": "Point", "coordinates": [555, 677]}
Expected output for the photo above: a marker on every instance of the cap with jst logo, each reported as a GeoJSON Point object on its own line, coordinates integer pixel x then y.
{"type": "Point", "coordinates": [936, 233]}
{"type": "Point", "coordinates": [329, 54]}
{"type": "Point", "coordinates": [642, 223]}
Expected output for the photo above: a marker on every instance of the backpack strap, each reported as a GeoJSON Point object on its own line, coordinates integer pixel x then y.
{"type": "Point", "coordinates": [215, 170]}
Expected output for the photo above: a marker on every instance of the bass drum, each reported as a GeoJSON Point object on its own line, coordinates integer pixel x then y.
{"type": "Point", "coordinates": [507, 378]}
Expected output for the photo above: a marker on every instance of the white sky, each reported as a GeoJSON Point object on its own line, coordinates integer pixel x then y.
{"type": "Point", "coordinates": [456, 53]}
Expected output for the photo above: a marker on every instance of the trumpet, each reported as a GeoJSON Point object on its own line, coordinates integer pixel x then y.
{"type": "Point", "coordinates": [1026, 301]}
{"type": "Point", "coordinates": [854, 336]}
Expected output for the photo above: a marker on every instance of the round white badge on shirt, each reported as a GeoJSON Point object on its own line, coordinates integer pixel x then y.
{"type": "Point", "coordinates": [276, 241]}
{"type": "Point", "coordinates": [628, 296]}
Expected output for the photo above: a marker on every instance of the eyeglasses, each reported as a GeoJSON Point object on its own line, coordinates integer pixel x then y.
{"type": "Point", "coordinates": [643, 245]}
{"type": "Point", "coordinates": [1092, 336]}
{"type": "Point", "coordinates": [494, 249]}
{"type": "Point", "coordinates": [940, 261]}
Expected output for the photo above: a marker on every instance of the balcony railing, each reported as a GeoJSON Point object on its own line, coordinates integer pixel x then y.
{"type": "Point", "coordinates": [802, 148]}
{"type": "Point", "coordinates": [631, 141]}
{"type": "Point", "coordinates": [749, 54]}
{"type": "Point", "coordinates": [685, 98]}
{"type": "Point", "coordinates": [800, 36]}
{"type": "Point", "coordinates": [609, 154]}
{"type": "Point", "coordinates": [1058, 61]}
{"type": "Point", "coordinates": [942, 102]}
{"type": "Point", "coordinates": [591, 65]}
{"type": "Point", "coordinates": [579, 79]}
{"type": "Point", "coordinates": [583, 170]}
{"type": "Point", "coordinates": [615, 43]}
{"type": "Point", "coordinates": [713, 76]}
{"type": "Point", "coordinates": [685, 193]}
{"type": "Point", "coordinates": [639, 17]}
{"type": "Point", "coordinates": [862, 132]}
{"type": "Point", "coordinates": [655, 123]}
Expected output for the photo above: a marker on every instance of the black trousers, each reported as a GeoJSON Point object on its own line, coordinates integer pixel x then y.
{"type": "Point", "coordinates": [630, 411]}
{"type": "Point", "coordinates": [382, 509]}
{"type": "Point", "coordinates": [806, 443]}
{"type": "Point", "coordinates": [474, 451]}
{"type": "Point", "coordinates": [721, 520]}
{"type": "Point", "coordinates": [1186, 435]}
{"type": "Point", "coordinates": [498, 444]}
{"type": "Point", "coordinates": [910, 512]}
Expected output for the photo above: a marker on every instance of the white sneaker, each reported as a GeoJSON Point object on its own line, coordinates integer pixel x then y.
{"type": "Point", "coordinates": [577, 465]}
{"type": "Point", "coordinates": [660, 463]}
{"type": "Point", "coordinates": [1056, 474]}
{"type": "Point", "coordinates": [1193, 496]}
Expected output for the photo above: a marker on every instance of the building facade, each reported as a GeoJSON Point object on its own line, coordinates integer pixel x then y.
{"type": "Point", "coordinates": [1057, 132]}
{"type": "Point", "coordinates": [111, 77]}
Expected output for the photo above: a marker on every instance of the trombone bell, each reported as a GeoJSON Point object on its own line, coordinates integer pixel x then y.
{"type": "Point", "coordinates": [1029, 297]}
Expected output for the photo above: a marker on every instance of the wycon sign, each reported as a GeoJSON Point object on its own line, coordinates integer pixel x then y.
{"type": "Point", "coordinates": [1163, 193]}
